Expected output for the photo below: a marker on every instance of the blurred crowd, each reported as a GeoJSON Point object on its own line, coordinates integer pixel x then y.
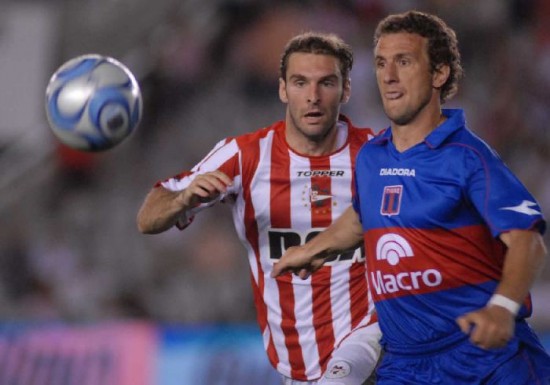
{"type": "Point", "coordinates": [69, 247]}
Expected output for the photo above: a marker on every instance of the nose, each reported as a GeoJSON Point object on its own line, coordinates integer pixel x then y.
{"type": "Point", "coordinates": [313, 94]}
{"type": "Point", "coordinates": [389, 73]}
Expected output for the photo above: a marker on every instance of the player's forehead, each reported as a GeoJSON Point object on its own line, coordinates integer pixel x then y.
{"type": "Point", "coordinates": [400, 43]}
{"type": "Point", "coordinates": [312, 65]}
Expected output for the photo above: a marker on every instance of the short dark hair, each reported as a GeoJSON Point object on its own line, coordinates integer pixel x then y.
{"type": "Point", "coordinates": [321, 44]}
{"type": "Point", "coordinates": [442, 43]}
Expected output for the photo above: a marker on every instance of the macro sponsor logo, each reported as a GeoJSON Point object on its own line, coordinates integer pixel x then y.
{"type": "Point", "coordinates": [393, 248]}
{"type": "Point", "coordinates": [397, 172]}
{"type": "Point", "coordinates": [320, 173]}
{"type": "Point", "coordinates": [405, 281]}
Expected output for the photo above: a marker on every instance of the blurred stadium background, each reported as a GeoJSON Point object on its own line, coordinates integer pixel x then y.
{"type": "Point", "coordinates": [86, 299]}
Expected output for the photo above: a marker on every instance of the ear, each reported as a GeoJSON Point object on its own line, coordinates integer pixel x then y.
{"type": "Point", "coordinates": [346, 91]}
{"type": "Point", "coordinates": [440, 75]}
{"type": "Point", "coordinates": [282, 91]}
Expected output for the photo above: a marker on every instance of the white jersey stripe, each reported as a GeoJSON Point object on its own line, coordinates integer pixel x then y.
{"type": "Point", "coordinates": [339, 297]}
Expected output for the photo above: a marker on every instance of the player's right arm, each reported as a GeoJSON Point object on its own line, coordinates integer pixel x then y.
{"type": "Point", "coordinates": [346, 233]}
{"type": "Point", "coordinates": [163, 208]}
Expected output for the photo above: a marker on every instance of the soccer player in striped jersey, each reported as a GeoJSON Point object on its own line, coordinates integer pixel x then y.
{"type": "Point", "coordinates": [453, 238]}
{"type": "Point", "coordinates": [286, 183]}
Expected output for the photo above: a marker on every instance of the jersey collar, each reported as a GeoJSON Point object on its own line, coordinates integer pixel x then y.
{"type": "Point", "coordinates": [455, 120]}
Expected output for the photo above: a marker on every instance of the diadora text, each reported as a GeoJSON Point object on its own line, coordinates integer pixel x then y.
{"type": "Point", "coordinates": [397, 171]}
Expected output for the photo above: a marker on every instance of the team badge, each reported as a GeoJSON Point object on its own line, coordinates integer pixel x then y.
{"type": "Point", "coordinates": [318, 196]}
{"type": "Point", "coordinates": [340, 369]}
{"type": "Point", "coordinates": [317, 199]}
{"type": "Point", "coordinates": [391, 200]}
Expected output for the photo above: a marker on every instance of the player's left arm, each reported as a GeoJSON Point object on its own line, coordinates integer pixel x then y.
{"type": "Point", "coordinates": [523, 262]}
{"type": "Point", "coordinates": [493, 325]}
{"type": "Point", "coordinates": [516, 219]}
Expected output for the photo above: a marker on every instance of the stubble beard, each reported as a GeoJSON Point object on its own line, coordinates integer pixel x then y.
{"type": "Point", "coordinates": [408, 116]}
{"type": "Point", "coordinates": [316, 137]}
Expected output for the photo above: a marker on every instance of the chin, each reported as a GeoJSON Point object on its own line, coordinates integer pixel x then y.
{"type": "Point", "coordinates": [399, 119]}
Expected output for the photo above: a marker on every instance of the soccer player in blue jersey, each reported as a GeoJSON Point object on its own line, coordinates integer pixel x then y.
{"type": "Point", "coordinates": [453, 238]}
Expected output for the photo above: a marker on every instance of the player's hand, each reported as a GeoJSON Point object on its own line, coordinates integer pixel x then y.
{"type": "Point", "coordinates": [489, 328]}
{"type": "Point", "coordinates": [298, 261]}
{"type": "Point", "coordinates": [205, 188]}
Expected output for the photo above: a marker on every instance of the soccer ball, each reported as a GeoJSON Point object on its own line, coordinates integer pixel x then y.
{"type": "Point", "coordinates": [93, 103]}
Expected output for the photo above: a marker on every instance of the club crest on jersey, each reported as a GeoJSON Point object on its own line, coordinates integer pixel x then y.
{"type": "Point", "coordinates": [391, 200]}
{"type": "Point", "coordinates": [317, 198]}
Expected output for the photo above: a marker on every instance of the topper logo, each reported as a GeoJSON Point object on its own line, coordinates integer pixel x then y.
{"type": "Point", "coordinates": [393, 247]}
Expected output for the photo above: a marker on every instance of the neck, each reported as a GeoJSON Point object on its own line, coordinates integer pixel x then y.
{"type": "Point", "coordinates": [410, 134]}
{"type": "Point", "coordinates": [313, 145]}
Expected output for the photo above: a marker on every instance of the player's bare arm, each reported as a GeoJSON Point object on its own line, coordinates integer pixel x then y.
{"type": "Point", "coordinates": [162, 208]}
{"type": "Point", "coordinates": [493, 325]}
{"type": "Point", "coordinates": [343, 235]}
{"type": "Point", "coordinates": [523, 262]}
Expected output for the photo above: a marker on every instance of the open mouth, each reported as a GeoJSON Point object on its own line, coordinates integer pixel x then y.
{"type": "Point", "coordinates": [314, 114]}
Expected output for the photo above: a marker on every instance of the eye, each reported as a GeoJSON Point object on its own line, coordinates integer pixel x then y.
{"type": "Point", "coordinates": [328, 83]}
{"type": "Point", "coordinates": [403, 62]}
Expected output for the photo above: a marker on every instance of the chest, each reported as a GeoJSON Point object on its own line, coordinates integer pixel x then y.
{"type": "Point", "coordinates": [426, 190]}
{"type": "Point", "coordinates": [299, 192]}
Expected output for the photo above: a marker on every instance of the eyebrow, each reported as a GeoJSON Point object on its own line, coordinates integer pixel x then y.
{"type": "Point", "coordinates": [396, 56]}
{"type": "Point", "coordinates": [300, 76]}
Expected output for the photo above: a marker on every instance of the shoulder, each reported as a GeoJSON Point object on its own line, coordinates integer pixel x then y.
{"type": "Point", "coordinates": [231, 146]}
{"type": "Point", "coordinates": [468, 143]}
{"type": "Point", "coordinates": [356, 133]}
{"type": "Point", "coordinates": [376, 141]}
{"type": "Point", "coordinates": [253, 138]}
{"type": "Point", "coordinates": [364, 133]}
{"type": "Point", "coordinates": [454, 135]}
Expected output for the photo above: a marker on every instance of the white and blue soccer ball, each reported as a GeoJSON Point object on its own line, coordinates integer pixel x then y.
{"type": "Point", "coordinates": [93, 103]}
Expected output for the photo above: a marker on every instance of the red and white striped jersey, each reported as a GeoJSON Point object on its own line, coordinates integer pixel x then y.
{"type": "Point", "coordinates": [280, 199]}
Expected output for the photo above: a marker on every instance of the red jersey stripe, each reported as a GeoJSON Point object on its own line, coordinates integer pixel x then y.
{"type": "Point", "coordinates": [280, 207]}
{"type": "Point", "coordinates": [321, 216]}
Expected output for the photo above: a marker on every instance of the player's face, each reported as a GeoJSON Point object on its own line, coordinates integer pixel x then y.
{"type": "Point", "coordinates": [406, 83]}
{"type": "Point", "coordinates": [313, 91]}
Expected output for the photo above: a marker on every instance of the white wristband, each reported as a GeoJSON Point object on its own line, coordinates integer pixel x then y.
{"type": "Point", "coordinates": [505, 302]}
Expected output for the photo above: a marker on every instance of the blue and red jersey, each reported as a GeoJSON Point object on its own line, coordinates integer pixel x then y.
{"type": "Point", "coordinates": [431, 217]}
